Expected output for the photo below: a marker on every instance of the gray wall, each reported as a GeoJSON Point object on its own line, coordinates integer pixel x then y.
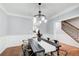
{"type": "Point", "coordinates": [3, 23]}
{"type": "Point", "coordinates": [19, 25]}
{"type": "Point", "coordinates": [50, 27]}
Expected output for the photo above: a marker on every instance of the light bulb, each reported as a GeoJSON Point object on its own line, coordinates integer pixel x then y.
{"type": "Point", "coordinates": [40, 22]}
{"type": "Point", "coordinates": [34, 20]}
{"type": "Point", "coordinates": [45, 21]}
{"type": "Point", "coordinates": [43, 18]}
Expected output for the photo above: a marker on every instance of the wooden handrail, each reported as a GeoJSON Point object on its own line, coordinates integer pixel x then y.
{"type": "Point", "coordinates": [71, 25]}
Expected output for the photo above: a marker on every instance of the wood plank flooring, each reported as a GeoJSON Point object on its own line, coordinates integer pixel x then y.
{"type": "Point", "coordinates": [16, 51]}
{"type": "Point", "coordinates": [12, 51]}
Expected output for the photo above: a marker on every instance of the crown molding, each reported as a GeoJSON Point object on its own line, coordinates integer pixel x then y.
{"type": "Point", "coordinates": [65, 11]}
{"type": "Point", "coordinates": [17, 15]}
{"type": "Point", "coordinates": [13, 14]}
{"type": "Point", "coordinates": [28, 17]}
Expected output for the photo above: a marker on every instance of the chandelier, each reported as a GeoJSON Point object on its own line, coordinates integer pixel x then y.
{"type": "Point", "coordinates": [38, 19]}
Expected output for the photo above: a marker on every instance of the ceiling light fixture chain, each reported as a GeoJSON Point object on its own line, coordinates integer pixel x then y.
{"type": "Point", "coordinates": [39, 8]}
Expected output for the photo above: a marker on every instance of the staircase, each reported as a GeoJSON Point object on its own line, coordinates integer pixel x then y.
{"type": "Point", "coordinates": [71, 30]}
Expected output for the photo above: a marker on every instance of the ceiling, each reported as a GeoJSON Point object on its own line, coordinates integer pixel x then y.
{"type": "Point", "coordinates": [30, 9]}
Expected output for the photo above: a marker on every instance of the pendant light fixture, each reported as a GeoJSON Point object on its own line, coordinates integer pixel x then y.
{"type": "Point", "coordinates": [39, 18]}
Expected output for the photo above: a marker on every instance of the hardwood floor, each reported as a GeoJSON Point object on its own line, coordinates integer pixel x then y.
{"type": "Point", "coordinates": [16, 51]}
{"type": "Point", "coordinates": [12, 51]}
{"type": "Point", "coordinates": [72, 51]}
